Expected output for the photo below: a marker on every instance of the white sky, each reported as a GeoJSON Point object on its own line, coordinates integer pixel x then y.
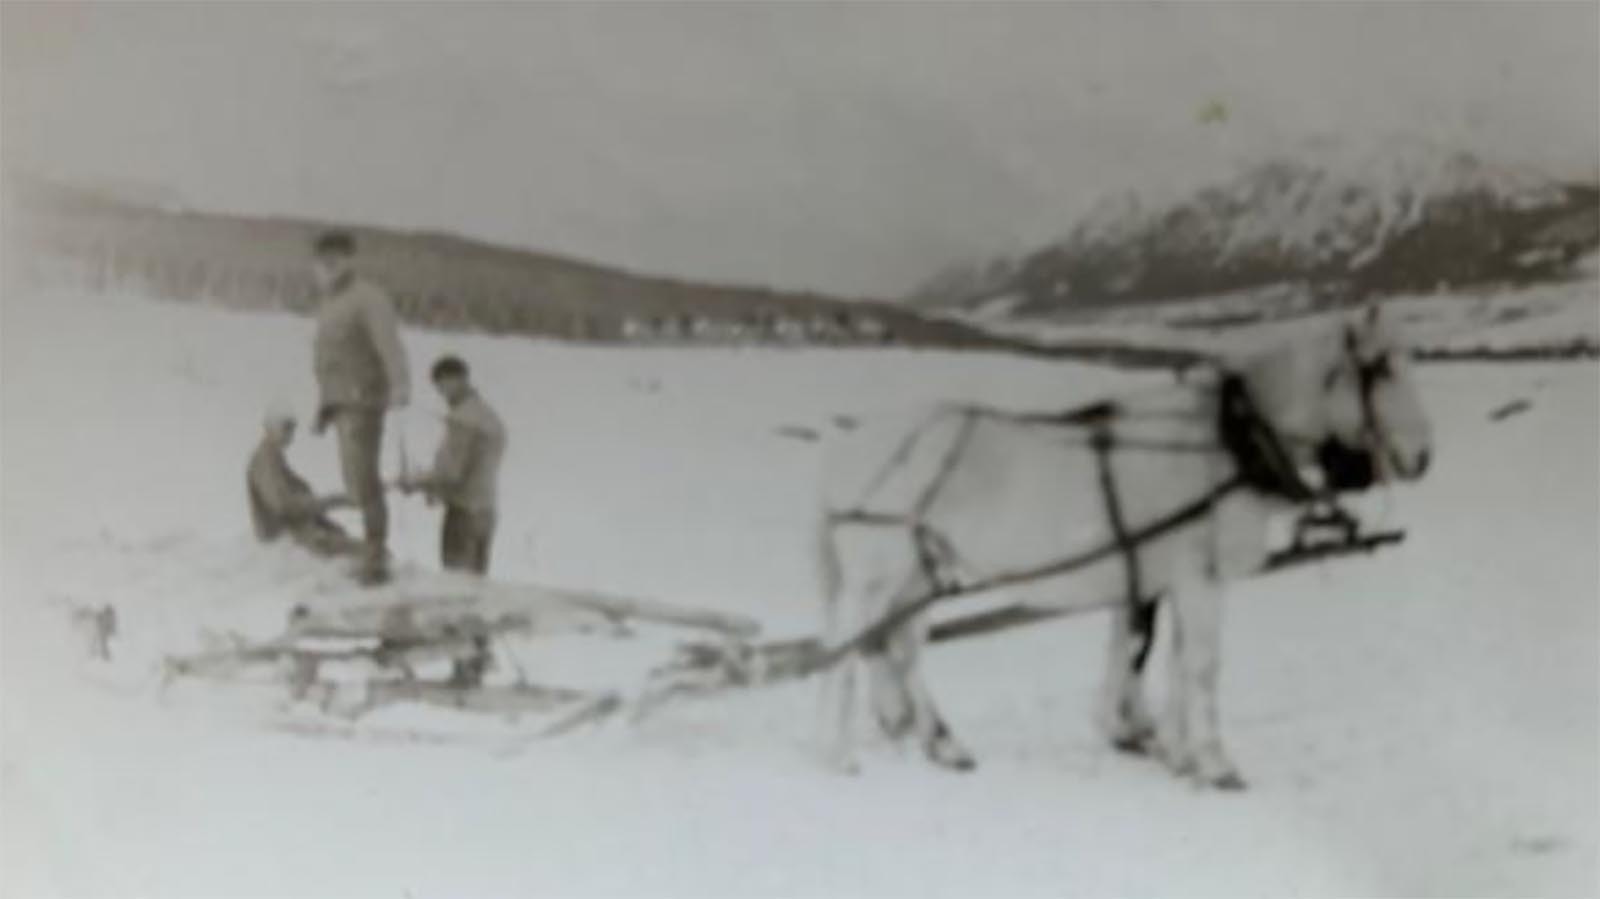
{"type": "Point", "coordinates": [845, 148]}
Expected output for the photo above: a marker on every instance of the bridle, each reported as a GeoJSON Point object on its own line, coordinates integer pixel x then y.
{"type": "Point", "coordinates": [1372, 437]}
{"type": "Point", "coordinates": [1262, 450]}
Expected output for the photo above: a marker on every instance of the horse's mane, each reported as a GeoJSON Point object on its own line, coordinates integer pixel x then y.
{"type": "Point", "coordinates": [1283, 378]}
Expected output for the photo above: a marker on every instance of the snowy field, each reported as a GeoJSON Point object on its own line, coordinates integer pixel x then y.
{"type": "Point", "coordinates": [1423, 722]}
{"type": "Point", "coordinates": [1537, 317]}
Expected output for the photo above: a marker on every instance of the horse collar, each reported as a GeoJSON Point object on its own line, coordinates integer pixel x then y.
{"type": "Point", "coordinates": [1264, 464]}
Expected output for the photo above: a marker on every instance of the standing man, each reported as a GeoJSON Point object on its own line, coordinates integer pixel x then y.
{"type": "Point", "coordinates": [466, 470]}
{"type": "Point", "coordinates": [361, 374]}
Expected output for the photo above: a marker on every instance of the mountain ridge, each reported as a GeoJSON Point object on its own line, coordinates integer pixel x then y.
{"type": "Point", "coordinates": [1398, 216]}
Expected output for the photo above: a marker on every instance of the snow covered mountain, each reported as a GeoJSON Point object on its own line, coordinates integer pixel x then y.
{"type": "Point", "coordinates": [1394, 216]}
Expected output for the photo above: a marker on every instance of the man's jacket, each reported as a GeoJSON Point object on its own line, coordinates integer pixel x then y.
{"type": "Point", "coordinates": [280, 500]}
{"type": "Point", "coordinates": [466, 470]}
{"type": "Point", "coordinates": [358, 356]}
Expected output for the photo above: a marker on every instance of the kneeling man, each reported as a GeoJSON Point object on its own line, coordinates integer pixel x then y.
{"type": "Point", "coordinates": [466, 470]}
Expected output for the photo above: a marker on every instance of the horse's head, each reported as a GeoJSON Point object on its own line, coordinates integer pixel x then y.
{"type": "Point", "coordinates": [1347, 400]}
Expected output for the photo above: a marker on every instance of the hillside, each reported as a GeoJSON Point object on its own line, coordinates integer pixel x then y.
{"type": "Point", "coordinates": [1333, 220]}
{"type": "Point", "coordinates": [104, 241]}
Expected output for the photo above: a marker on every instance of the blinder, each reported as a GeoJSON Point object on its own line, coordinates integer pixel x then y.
{"type": "Point", "coordinates": [1346, 470]}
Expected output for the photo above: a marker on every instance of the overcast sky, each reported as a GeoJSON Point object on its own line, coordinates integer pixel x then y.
{"type": "Point", "coordinates": [850, 148]}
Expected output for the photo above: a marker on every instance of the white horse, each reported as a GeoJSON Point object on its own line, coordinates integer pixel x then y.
{"type": "Point", "coordinates": [1164, 495]}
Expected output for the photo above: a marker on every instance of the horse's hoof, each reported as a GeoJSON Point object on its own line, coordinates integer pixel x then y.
{"type": "Point", "coordinates": [960, 764]}
{"type": "Point", "coordinates": [1225, 781]}
{"type": "Point", "coordinates": [950, 755]}
{"type": "Point", "coordinates": [1178, 761]}
{"type": "Point", "coordinates": [895, 727]}
{"type": "Point", "coordinates": [1230, 782]}
{"type": "Point", "coordinates": [843, 767]}
{"type": "Point", "coordinates": [1135, 744]}
{"type": "Point", "coordinates": [1135, 739]}
{"type": "Point", "coordinates": [1214, 770]}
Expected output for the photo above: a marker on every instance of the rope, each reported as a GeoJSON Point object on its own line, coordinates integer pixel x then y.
{"type": "Point", "coordinates": [953, 454]}
{"type": "Point", "coordinates": [1103, 444]}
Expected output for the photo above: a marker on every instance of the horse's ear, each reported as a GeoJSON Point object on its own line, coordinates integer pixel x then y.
{"type": "Point", "coordinates": [1364, 326]}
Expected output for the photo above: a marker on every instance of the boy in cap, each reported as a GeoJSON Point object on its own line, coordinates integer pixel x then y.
{"type": "Point", "coordinates": [281, 502]}
{"type": "Point", "coordinates": [361, 374]}
{"type": "Point", "coordinates": [465, 471]}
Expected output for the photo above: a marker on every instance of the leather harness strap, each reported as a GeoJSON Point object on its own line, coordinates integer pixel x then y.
{"type": "Point", "coordinates": [1103, 441]}
{"type": "Point", "coordinates": [874, 634]}
{"type": "Point", "coordinates": [1261, 460]}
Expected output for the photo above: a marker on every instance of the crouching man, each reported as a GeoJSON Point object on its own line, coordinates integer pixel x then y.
{"type": "Point", "coordinates": [465, 472]}
{"type": "Point", "coordinates": [281, 502]}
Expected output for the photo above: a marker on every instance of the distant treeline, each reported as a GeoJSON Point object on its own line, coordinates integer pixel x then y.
{"type": "Point", "coordinates": [66, 237]}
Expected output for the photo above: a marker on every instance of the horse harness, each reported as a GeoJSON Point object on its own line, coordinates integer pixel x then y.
{"type": "Point", "coordinates": [1262, 463]}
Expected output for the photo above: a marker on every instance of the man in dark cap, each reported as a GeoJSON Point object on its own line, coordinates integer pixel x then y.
{"type": "Point", "coordinates": [466, 471]}
{"type": "Point", "coordinates": [361, 374]}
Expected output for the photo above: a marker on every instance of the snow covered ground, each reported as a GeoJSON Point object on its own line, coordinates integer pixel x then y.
{"type": "Point", "coordinates": [1424, 722]}
{"type": "Point", "coordinates": [1538, 317]}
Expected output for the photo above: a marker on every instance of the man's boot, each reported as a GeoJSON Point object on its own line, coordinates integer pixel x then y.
{"type": "Point", "coordinates": [373, 567]}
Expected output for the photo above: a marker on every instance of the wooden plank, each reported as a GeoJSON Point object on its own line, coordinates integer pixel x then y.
{"type": "Point", "coordinates": [508, 699]}
{"type": "Point", "coordinates": [225, 662]}
{"type": "Point", "coordinates": [420, 604]}
{"type": "Point", "coordinates": [659, 612]}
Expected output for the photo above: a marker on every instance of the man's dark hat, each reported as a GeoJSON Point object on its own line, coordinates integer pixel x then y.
{"type": "Point", "coordinates": [449, 367]}
{"type": "Point", "coordinates": [335, 243]}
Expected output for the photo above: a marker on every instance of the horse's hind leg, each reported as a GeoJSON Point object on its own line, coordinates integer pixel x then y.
{"type": "Point", "coordinates": [891, 701]}
{"type": "Point", "coordinates": [871, 563]}
{"type": "Point", "coordinates": [904, 650]}
{"type": "Point", "coordinates": [1123, 716]}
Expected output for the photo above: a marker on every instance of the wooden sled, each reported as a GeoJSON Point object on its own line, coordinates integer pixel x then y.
{"type": "Point", "coordinates": [391, 634]}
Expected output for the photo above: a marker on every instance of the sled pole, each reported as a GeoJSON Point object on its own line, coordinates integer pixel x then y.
{"type": "Point", "coordinates": [421, 606]}
{"type": "Point", "coordinates": [620, 607]}
{"type": "Point", "coordinates": [703, 669]}
{"type": "Point", "coordinates": [1002, 619]}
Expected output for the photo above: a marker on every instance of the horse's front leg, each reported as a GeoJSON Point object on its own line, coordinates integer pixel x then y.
{"type": "Point", "coordinates": [1193, 739]}
{"type": "Point", "coordinates": [1122, 714]}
